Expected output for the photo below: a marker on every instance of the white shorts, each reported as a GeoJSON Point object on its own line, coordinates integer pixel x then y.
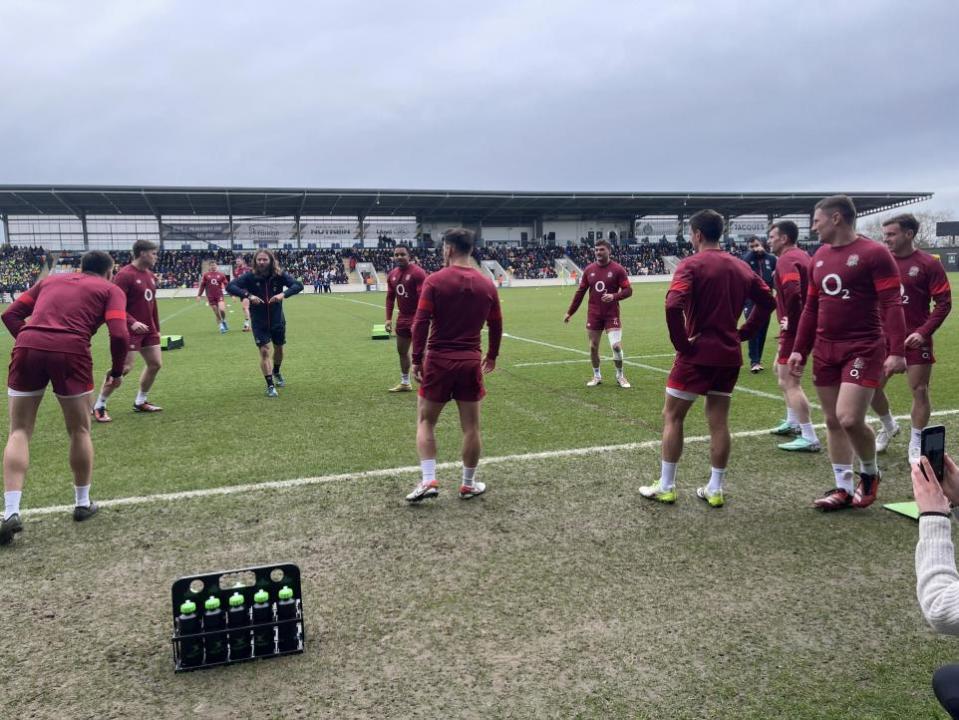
{"type": "Point", "coordinates": [615, 336]}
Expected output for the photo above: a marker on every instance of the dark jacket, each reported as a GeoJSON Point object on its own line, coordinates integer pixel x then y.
{"type": "Point", "coordinates": [263, 314]}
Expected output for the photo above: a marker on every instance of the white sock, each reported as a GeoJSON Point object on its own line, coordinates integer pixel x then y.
{"type": "Point", "coordinates": [82, 494]}
{"type": "Point", "coordinates": [428, 468]}
{"type": "Point", "coordinates": [141, 398]}
{"type": "Point", "coordinates": [808, 432]}
{"type": "Point", "coordinates": [869, 467]}
{"type": "Point", "coordinates": [716, 478]}
{"type": "Point", "coordinates": [101, 402]}
{"type": "Point", "coordinates": [619, 372]}
{"type": "Point", "coordinates": [11, 503]}
{"type": "Point", "coordinates": [887, 422]}
{"type": "Point", "coordinates": [596, 373]}
{"type": "Point", "coordinates": [469, 474]}
{"type": "Point", "coordinates": [843, 475]}
{"type": "Point", "coordinates": [667, 477]}
{"type": "Point", "coordinates": [915, 437]}
{"type": "Point", "coordinates": [791, 416]}
{"type": "Point", "coordinates": [404, 379]}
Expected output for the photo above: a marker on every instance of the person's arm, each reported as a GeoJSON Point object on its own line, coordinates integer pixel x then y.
{"type": "Point", "coordinates": [763, 305]}
{"type": "Point", "coordinates": [791, 290]}
{"type": "Point", "coordinates": [625, 289]}
{"type": "Point", "coordinates": [122, 282]}
{"type": "Point", "coordinates": [495, 323]}
{"type": "Point", "coordinates": [578, 297]}
{"type": "Point", "coordinates": [888, 287]}
{"type": "Point", "coordinates": [806, 332]}
{"type": "Point", "coordinates": [202, 286]}
{"type": "Point", "coordinates": [237, 287]}
{"type": "Point", "coordinates": [15, 316]}
{"type": "Point", "coordinates": [421, 323]}
{"type": "Point", "coordinates": [937, 582]}
{"type": "Point", "coordinates": [941, 296]}
{"type": "Point", "coordinates": [293, 286]}
{"type": "Point", "coordinates": [390, 299]}
{"type": "Point", "coordinates": [679, 289]}
{"type": "Point", "coordinates": [115, 315]}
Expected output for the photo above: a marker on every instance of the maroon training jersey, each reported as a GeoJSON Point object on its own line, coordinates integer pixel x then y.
{"type": "Point", "coordinates": [599, 280]}
{"type": "Point", "coordinates": [214, 283]}
{"type": "Point", "coordinates": [791, 279]}
{"type": "Point", "coordinates": [140, 288]}
{"type": "Point", "coordinates": [923, 279]}
{"type": "Point", "coordinates": [65, 311]}
{"type": "Point", "coordinates": [454, 305]}
{"type": "Point", "coordinates": [853, 297]}
{"type": "Point", "coordinates": [706, 298]}
{"type": "Point", "coordinates": [403, 287]}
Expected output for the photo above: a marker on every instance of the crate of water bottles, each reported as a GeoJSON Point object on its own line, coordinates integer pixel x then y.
{"type": "Point", "coordinates": [236, 616]}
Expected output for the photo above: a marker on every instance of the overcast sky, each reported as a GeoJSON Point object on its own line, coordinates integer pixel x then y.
{"type": "Point", "coordinates": [657, 95]}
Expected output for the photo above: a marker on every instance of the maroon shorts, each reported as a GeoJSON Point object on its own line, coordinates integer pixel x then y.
{"type": "Point", "coordinates": [702, 379]}
{"type": "Point", "coordinates": [214, 301]}
{"type": "Point", "coordinates": [921, 355]}
{"type": "Point", "coordinates": [857, 363]}
{"type": "Point", "coordinates": [602, 322]}
{"type": "Point", "coordinates": [786, 343]}
{"type": "Point", "coordinates": [138, 342]}
{"type": "Point", "coordinates": [31, 370]}
{"type": "Point", "coordinates": [445, 379]}
{"type": "Point", "coordinates": [404, 326]}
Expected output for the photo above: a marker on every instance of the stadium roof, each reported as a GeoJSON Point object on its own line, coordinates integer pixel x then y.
{"type": "Point", "coordinates": [489, 207]}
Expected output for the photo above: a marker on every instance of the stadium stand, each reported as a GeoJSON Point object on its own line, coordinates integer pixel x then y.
{"type": "Point", "coordinates": [20, 267]}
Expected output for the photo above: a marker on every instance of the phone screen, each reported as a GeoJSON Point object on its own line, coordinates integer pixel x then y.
{"type": "Point", "coordinates": [934, 448]}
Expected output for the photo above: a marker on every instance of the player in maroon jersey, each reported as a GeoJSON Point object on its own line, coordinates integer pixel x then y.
{"type": "Point", "coordinates": [214, 283]}
{"type": "Point", "coordinates": [455, 303]}
{"type": "Point", "coordinates": [853, 298]}
{"type": "Point", "coordinates": [240, 268]}
{"type": "Point", "coordinates": [791, 278]}
{"type": "Point", "coordinates": [138, 283]}
{"type": "Point", "coordinates": [923, 279]}
{"type": "Point", "coordinates": [607, 284]}
{"type": "Point", "coordinates": [403, 286]}
{"type": "Point", "coordinates": [703, 304]}
{"type": "Point", "coordinates": [54, 348]}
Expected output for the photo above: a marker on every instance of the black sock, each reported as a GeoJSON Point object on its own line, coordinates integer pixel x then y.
{"type": "Point", "coordinates": [269, 380]}
{"type": "Point", "coordinates": [276, 369]}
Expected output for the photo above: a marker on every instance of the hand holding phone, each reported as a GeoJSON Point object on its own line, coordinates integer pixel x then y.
{"type": "Point", "coordinates": [933, 447]}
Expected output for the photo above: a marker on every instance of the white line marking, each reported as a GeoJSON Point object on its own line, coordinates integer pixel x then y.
{"type": "Point", "coordinates": [739, 388]}
{"type": "Point", "coordinates": [179, 312]}
{"type": "Point", "coordinates": [362, 302]}
{"type": "Point", "coordinates": [605, 357]}
{"type": "Point", "coordinates": [405, 470]}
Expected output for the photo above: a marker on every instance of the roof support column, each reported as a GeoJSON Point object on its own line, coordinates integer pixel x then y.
{"type": "Point", "coordinates": [361, 232]}
{"type": "Point", "coordinates": [86, 236]}
{"type": "Point", "coordinates": [6, 229]}
{"type": "Point", "coordinates": [160, 230]}
{"type": "Point", "coordinates": [232, 239]}
{"type": "Point", "coordinates": [538, 231]}
{"type": "Point", "coordinates": [299, 244]}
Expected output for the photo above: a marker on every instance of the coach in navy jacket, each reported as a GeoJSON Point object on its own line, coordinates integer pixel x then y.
{"type": "Point", "coordinates": [763, 264]}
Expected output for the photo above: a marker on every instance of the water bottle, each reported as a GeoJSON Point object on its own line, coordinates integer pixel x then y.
{"type": "Point", "coordinates": [286, 610]}
{"type": "Point", "coordinates": [238, 621]}
{"type": "Point", "coordinates": [188, 623]}
{"type": "Point", "coordinates": [214, 619]}
{"type": "Point", "coordinates": [263, 643]}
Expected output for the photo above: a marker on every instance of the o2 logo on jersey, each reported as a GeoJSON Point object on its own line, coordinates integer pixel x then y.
{"type": "Point", "coordinates": [148, 295]}
{"type": "Point", "coordinates": [214, 282]}
{"type": "Point", "coordinates": [902, 294]}
{"type": "Point", "coordinates": [832, 285]}
{"type": "Point", "coordinates": [600, 286]}
{"type": "Point", "coordinates": [401, 290]}
{"type": "Point", "coordinates": [857, 366]}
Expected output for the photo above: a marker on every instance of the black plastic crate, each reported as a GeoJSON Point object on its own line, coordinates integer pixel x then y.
{"type": "Point", "coordinates": [244, 630]}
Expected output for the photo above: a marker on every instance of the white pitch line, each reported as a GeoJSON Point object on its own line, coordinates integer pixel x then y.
{"type": "Point", "coordinates": [178, 312]}
{"type": "Point", "coordinates": [405, 470]}
{"type": "Point", "coordinates": [605, 357]}
{"type": "Point", "coordinates": [361, 302]}
{"type": "Point", "coordinates": [739, 388]}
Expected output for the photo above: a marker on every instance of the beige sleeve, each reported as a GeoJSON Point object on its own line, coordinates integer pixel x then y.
{"type": "Point", "coordinates": [937, 582]}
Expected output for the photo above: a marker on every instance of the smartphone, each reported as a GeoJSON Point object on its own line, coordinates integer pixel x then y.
{"type": "Point", "coordinates": [933, 446]}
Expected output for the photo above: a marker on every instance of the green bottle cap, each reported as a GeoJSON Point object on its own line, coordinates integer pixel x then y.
{"type": "Point", "coordinates": [261, 596]}
{"type": "Point", "coordinates": [212, 603]}
{"type": "Point", "coordinates": [188, 608]}
{"type": "Point", "coordinates": [236, 600]}
{"type": "Point", "coordinates": [285, 593]}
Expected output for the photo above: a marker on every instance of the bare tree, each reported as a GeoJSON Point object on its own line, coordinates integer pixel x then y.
{"type": "Point", "coordinates": [871, 226]}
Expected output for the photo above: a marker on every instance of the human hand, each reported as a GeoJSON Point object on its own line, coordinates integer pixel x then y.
{"type": "Point", "coordinates": [279, 297]}
{"type": "Point", "coordinates": [893, 365]}
{"type": "Point", "coordinates": [927, 491]}
{"type": "Point", "coordinates": [255, 300]}
{"type": "Point", "coordinates": [389, 327]}
{"type": "Point", "coordinates": [489, 365]}
{"type": "Point", "coordinates": [417, 371]}
{"type": "Point", "coordinates": [915, 340]}
{"type": "Point", "coordinates": [795, 364]}
{"type": "Point", "coordinates": [607, 297]}
{"type": "Point", "coordinates": [138, 328]}
{"type": "Point", "coordinates": [566, 319]}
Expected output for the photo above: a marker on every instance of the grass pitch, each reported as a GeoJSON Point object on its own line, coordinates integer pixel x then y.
{"type": "Point", "coordinates": [560, 593]}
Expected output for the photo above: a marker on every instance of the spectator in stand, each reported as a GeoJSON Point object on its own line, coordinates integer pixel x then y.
{"type": "Point", "coordinates": [20, 267]}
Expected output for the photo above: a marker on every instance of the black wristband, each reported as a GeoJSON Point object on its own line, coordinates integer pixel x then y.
{"type": "Point", "coordinates": [933, 513]}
